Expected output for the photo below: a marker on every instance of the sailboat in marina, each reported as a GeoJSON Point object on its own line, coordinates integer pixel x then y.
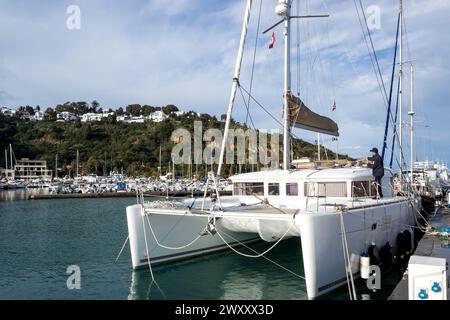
{"type": "Point", "coordinates": [335, 211]}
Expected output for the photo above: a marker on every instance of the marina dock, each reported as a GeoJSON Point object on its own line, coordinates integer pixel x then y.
{"type": "Point", "coordinates": [117, 195]}
{"type": "Point", "coordinates": [431, 245]}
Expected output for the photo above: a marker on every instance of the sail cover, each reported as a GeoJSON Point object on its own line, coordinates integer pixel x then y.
{"type": "Point", "coordinates": [302, 117]}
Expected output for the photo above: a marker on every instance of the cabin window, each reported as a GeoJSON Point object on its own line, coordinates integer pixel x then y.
{"type": "Point", "coordinates": [360, 189]}
{"type": "Point", "coordinates": [248, 188]}
{"type": "Point", "coordinates": [326, 189]}
{"type": "Point", "coordinates": [292, 189]}
{"type": "Point", "coordinates": [274, 189]}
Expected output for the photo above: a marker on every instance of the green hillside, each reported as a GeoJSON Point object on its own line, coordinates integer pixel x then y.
{"type": "Point", "coordinates": [112, 145]}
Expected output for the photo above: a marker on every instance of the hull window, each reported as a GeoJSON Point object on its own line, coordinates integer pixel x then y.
{"type": "Point", "coordinates": [292, 189]}
{"type": "Point", "coordinates": [360, 189]}
{"type": "Point", "coordinates": [248, 188]}
{"type": "Point", "coordinates": [326, 189]}
{"type": "Point", "coordinates": [274, 189]}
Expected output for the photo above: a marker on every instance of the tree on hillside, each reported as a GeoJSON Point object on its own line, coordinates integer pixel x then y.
{"type": "Point", "coordinates": [134, 110]}
{"type": "Point", "coordinates": [94, 106]}
{"type": "Point", "coordinates": [50, 114]}
{"type": "Point", "coordinates": [30, 110]}
{"type": "Point", "coordinates": [169, 109]}
{"type": "Point", "coordinates": [147, 110]}
{"type": "Point", "coordinates": [66, 107]}
{"type": "Point", "coordinates": [80, 108]}
{"type": "Point", "coordinates": [120, 111]}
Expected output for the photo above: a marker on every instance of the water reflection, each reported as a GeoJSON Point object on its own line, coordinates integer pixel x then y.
{"type": "Point", "coordinates": [225, 276]}
{"type": "Point", "coordinates": [20, 194]}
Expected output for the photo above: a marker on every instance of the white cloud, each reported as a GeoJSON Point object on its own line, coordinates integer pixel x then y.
{"type": "Point", "coordinates": [183, 52]}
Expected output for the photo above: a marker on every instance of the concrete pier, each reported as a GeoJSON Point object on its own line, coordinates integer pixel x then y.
{"type": "Point", "coordinates": [430, 246]}
{"type": "Point", "coordinates": [117, 195]}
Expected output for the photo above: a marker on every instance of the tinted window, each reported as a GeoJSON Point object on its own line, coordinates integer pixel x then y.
{"type": "Point", "coordinates": [274, 189]}
{"type": "Point", "coordinates": [248, 188]}
{"type": "Point", "coordinates": [292, 189]}
{"type": "Point", "coordinates": [360, 189]}
{"type": "Point", "coordinates": [326, 189]}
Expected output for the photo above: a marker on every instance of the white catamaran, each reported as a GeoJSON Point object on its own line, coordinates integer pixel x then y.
{"type": "Point", "coordinates": [335, 211]}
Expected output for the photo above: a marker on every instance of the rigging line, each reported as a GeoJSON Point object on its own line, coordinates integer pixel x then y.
{"type": "Point", "coordinates": [373, 48]}
{"type": "Point", "coordinates": [394, 134]}
{"type": "Point", "coordinates": [298, 48]}
{"type": "Point", "coordinates": [386, 129]}
{"type": "Point", "coordinates": [259, 255]}
{"type": "Point", "coordinates": [254, 59]}
{"type": "Point", "coordinates": [370, 54]}
{"type": "Point", "coordinates": [264, 257]}
{"type": "Point", "coordinates": [123, 247]}
{"type": "Point", "coordinates": [256, 252]}
{"type": "Point", "coordinates": [173, 227]}
{"type": "Point", "coordinates": [347, 257]}
{"type": "Point", "coordinates": [167, 247]}
{"type": "Point", "coordinates": [385, 95]}
{"type": "Point", "coordinates": [266, 111]}
{"type": "Point", "coordinates": [407, 40]}
{"type": "Point", "coordinates": [248, 109]}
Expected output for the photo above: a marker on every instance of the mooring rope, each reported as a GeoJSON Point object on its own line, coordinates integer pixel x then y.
{"type": "Point", "coordinates": [123, 247]}
{"type": "Point", "coordinates": [167, 247]}
{"type": "Point", "coordinates": [148, 256]}
{"type": "Point", "coordinates": [264, 257]}
{"type": "Point", "coordinates": [348, 267]}
{"type": "Point", "coordinates": [260, 254]}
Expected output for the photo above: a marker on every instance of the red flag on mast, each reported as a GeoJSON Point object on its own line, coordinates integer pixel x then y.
{"type": "Point", "coordinates": [272, 40]}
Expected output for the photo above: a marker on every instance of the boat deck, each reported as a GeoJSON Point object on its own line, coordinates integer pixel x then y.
{"type": "Point", "coordinates": [263, 210]}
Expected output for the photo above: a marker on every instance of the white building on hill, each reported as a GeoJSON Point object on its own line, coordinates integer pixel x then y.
{"type": "Point", "coordinates": [66, 116]}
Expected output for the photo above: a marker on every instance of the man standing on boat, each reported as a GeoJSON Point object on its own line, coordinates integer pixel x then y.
{"type": "Point", "coordinates": [376, 163]}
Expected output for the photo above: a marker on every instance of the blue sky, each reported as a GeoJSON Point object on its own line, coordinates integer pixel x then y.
{"type": "Point", "coordinates": [183, 52]}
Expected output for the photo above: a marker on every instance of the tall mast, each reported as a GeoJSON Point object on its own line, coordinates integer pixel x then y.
{"type": "Point", "coordinates": [237, 72]}
{"type": "Point", "coordinates": [400, 97]}
{"type": "Point", "coordinates": [411, 116]}
{"type": "Point", "coordinates": [56, 165]}
{"type": "Point", "coordinates": [6, 158]}
{"type": "Point", "coordinates": [287, 86]}
{"type": "Point", "coordinates": [11, 157]}
{"type": "Point", "coordinates": [160, 167]}
{"type": "Point", "coordinates": [78, 154]}
{"type": "Point", "coordinates": [318, 146]}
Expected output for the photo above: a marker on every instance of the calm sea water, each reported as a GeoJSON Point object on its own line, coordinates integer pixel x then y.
{"type": "Point", "coordinates": [39, 239]}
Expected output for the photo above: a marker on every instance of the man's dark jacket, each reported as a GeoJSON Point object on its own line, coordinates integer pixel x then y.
{"type": "Point", "coordinates": [377, 166]}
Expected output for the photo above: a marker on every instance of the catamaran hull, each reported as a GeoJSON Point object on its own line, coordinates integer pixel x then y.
{"type": "Point", "coordinates": [170, 237]}
{"type": "Point", "coordinates": [322, 244]}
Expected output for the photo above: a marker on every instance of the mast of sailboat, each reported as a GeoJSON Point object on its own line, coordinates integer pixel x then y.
{"type": "Point", "coordinates": [400, 96]}
{"type": "Point", "coordinates": [78, 155]}
{"type": "Point", "coordinates": [56, 163]}
{"type": "Point", "coordinates": [411, 117]}
{"type": "Point", "coordinates": [160, 167]}
{"type": "Point", "coordinates": [6, 158]}
{"type": "Point", "coordinates": [10, 157]}
{"type": "Point", "coordinates": [237, 72]}
{"type": "Point", "coordinates": [318, 146]}
{"type": "Point", "coordinates": [286, 7]}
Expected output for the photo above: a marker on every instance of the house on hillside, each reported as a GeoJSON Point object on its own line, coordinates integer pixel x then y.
{"type": "Point", "coordinates": [66, 116]}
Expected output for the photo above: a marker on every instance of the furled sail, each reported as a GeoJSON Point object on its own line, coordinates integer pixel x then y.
{"type": "Point", "coordinates": [302, 117]}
